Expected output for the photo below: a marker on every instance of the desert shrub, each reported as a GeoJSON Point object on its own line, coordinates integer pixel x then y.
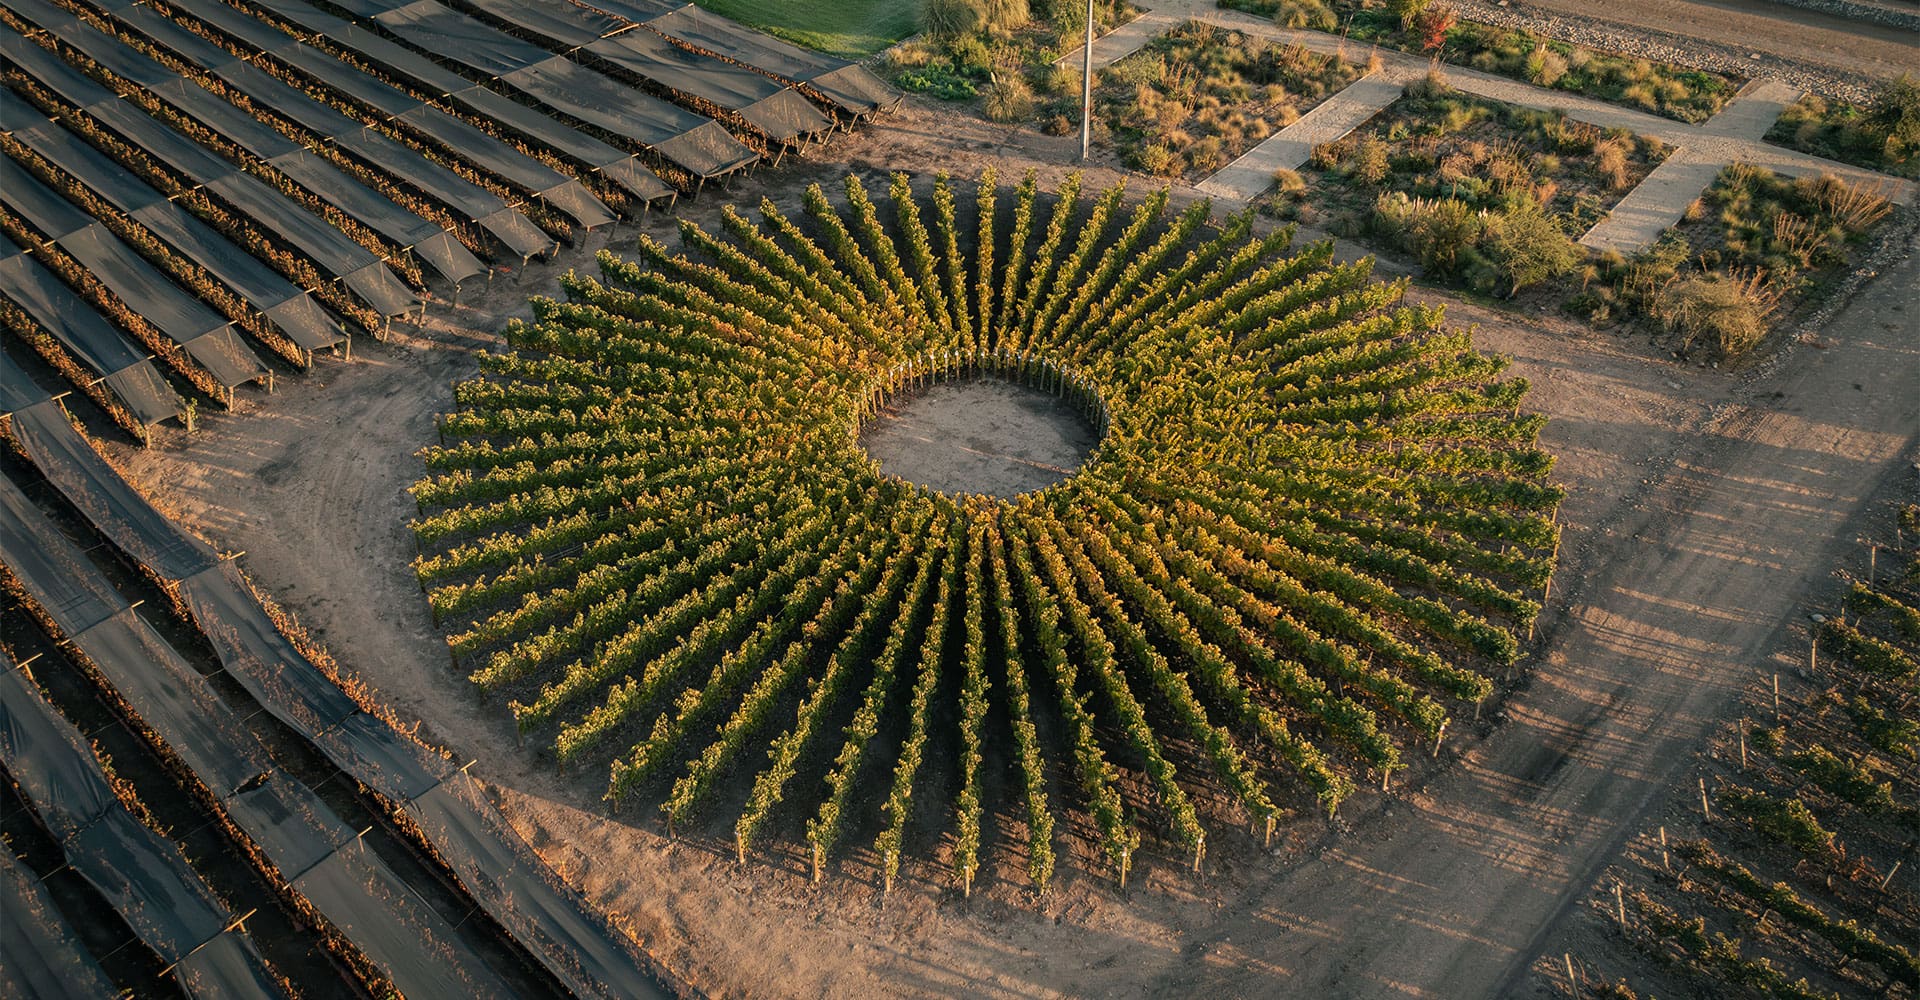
{"type": "Point", "coordinates": [1406, 10]}
{"type": "Point", "coordinates": [1156, 159]}
{"type": "Point", "coordinates": [1370, 163]}
{"type": "Point", "coordinates": [1060, 81]}
{"type": "Point", "coordinates": [1894, 117]}
{"type": "Point", "coordinates": [1009, 99]}
{"type": "Point", "coordinates": [1314, 14]}
{"type": "Point", "coordinates": [1545, 66]}
{"type": "Point", "coordinates": [1729, 313]}
{"type": "Point", "coordinates": [1430, 87]}
{"type": "Point", "coordinates": [1529, 247]}
{"type": "Point", "coordinates": [1432, 23]}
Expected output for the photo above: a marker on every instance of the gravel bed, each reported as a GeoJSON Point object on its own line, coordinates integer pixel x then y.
{"type": "Point", "coordinates": [1875, 13]}
{"type": "Point", "coordinates": [1681, 51]}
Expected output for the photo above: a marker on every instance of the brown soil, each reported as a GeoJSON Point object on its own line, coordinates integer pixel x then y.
{"type": "Point", "coordinates": [981, 435]}
{"type": "Point", "coordinates": [1698, 511]}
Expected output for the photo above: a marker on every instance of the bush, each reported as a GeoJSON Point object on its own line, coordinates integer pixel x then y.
{"type": "Point", "coordinates": [1726, 311]}
{"type": "Point", "coordinates": [1314, 14]}
{"type": "Point", "coordinates": [1529, 247]}
{"type": "Point", "coordinates": [1894, 117]}
{"type": "Point", "coordinates": [1371, 163]}
{"type": "Point", "coordinates": [1156, 159]}
{"type": "Point", "coordinates": [940, 80]}
{"type": "Point", "coordinates": [1009, 99]}
{"type": "Point", "coordinates": [952, 19]}
{"type": "Point", "coordinates": [1406, 11]}
{"type": "Point", "coordinates": [1431, 25]}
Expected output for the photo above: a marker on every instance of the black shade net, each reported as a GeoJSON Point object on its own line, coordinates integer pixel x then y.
{"type": "Point", "coordinates": [850, 87]}
{"type": "Point", "coordinates": [775, 110]}
{"type": "Point", "coordinates": [287, 306]}
{"type": "Point", "coordinates": [692, 142]}
{"type": "Point", "coordinates": [497, 868]}
{"type": "Point", "coordinates": [205, 335]}
{"type": "Point", "coordinates": [140, 874]}
{"type": "Point", "coordinates": [307, 843]}
{"type": "Point", "coordinates": [87, 336]}
{"type": "Point", "coordinates": [328, 248]}
{"type": "Point", "coordinates": [622, 169]}
{"type": "Point", "coordinates": [311, 171]}
{"type": "Point", "coordinates": [474, 203]}
{"type": "Point", "coordinates": [41, 957]}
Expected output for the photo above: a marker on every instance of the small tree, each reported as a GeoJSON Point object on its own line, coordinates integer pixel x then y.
{"type": "Point", "coordinates": [1432, 23]}
{"type": "Point", "coordinates": [1529, 247]}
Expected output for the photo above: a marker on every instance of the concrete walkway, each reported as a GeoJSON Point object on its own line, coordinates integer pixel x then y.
{"type": "Point", "coordinates": [1700, 151]}
{"type": "Point", "coordinates": [1252, 174]}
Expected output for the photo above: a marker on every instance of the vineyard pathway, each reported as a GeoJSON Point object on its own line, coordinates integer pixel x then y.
{"type": "Point", "coordinates": [1643, 656]}
{"type": "Point", "coordinates": [1733, 135]}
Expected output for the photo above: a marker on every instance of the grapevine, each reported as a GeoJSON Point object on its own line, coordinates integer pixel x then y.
{"type": "Point", "coordinates": [1315, 527]}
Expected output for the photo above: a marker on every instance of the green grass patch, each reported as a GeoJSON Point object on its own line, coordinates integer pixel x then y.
{"type": "Point", "coordinates": [847, 28]}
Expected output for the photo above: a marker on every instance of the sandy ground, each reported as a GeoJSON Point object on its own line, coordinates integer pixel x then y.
{"type": "Point", "coordinates": [1698, 510]}
{"type": "Point", "coordinates": [980, 435]}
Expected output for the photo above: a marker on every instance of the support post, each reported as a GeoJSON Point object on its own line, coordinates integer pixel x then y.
{"type": "Point", "coordinates": [1086, 91]}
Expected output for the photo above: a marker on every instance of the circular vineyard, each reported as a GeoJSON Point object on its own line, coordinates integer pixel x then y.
{"type": "Point", "coordinates": [1307, 534]}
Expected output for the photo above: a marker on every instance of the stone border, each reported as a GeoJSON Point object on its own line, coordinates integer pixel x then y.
{"type": "Point", "coordinates": [1872, 13]}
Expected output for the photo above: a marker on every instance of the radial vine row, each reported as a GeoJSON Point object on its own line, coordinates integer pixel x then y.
{"type": "Point", "coordinates": [1315, 524]}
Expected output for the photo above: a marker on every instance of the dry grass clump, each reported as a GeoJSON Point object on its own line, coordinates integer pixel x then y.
{"type": "Point", "coordinates": [1728, 310]}
{"type": "Point", "coordinates": [1009, 99]}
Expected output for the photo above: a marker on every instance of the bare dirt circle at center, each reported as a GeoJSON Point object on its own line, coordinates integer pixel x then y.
{"type": "Point", "coordinates": [979, 434]}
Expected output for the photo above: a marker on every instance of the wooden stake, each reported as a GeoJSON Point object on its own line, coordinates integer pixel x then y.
{"type": "Point", "coordinates": [1665, 862]}
{"type": "Point", "coordinates": [1572, 982]}
{"type": "Point", "coordinates": [1743, 744]}
{"type": "Point", "coordinates": [1776, 696]}
{"type": "Point", "coordinates": [1620, 905]}
{"type": "Point", "coordinates": [1813, 655]}
{"type": "Point", "coordinates": [1890, 873]}
{"type": "Point", "coordinates": [1704, 810]}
